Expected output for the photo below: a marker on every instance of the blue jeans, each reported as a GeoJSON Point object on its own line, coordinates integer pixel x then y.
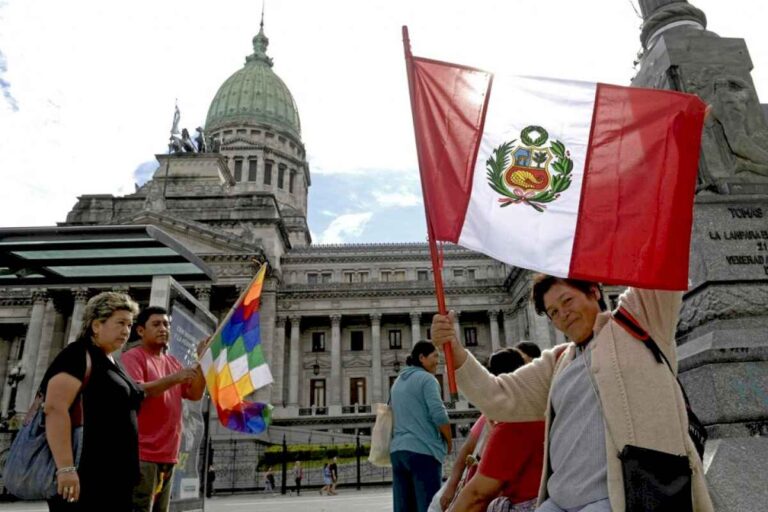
{"type": "Point", "coordinates": [595, 506]}
{"type": "Point", "coordinates": [415, 480]}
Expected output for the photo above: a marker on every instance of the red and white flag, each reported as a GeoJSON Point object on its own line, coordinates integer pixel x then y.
{"type": "Point", "coordinates": [574, 179]}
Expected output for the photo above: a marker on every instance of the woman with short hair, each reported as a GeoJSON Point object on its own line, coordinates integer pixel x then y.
{"type": "Point", "coordinates": [421, 436]}
{"type": "Point", "coordinates": [109, 461]}
{"type": "Point", "coordinates": [600, 392]}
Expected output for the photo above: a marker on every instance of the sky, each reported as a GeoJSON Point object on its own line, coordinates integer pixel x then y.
{"type": "Point", "coordinates": [87, 87]}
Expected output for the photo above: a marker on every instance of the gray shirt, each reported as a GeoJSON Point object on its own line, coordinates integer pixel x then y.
{"type": "Point", "coordinates": [577, 438]}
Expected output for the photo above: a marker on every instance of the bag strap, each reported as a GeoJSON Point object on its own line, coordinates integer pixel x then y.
{"type": "Point", "coordinates": [77, 415]}
{"type": "Point", "coordinates": [628, 322]}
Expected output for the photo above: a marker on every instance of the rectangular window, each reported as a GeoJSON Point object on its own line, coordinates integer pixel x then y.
{"type": "Point", "coordinates": [280, 175]}
{"type": "Point", "coordinates": [242, 132]}
{"type": "Point", "coordinates": [327, 277]}
{"type": "Point", "coordinates": [349, 277]}
{"type": "Point", "coordinates": [470, 337]}
{"type": "Point", "coordinates": [318, 342]}
{"type": "Point", "coordinates": [238, 170]}
{"type": "Point", "coordinates": [399, 275]}
{"type": "Point", "coordinates": [291, 178]}
{"type": "Point", "coordinates": [422, 275]}
{"type": "Point", "coordinates": [267, 172]}
{"type": "Point", "coordinates": [357, 391]}
{"type": "Point", "coordinates": [386, 276]}
{"type": "Point", "coordinates": [363, 277]}
{"type": "Point", "coordinates": [395, 338]}
{"type": "Point", "coordinates": [471, 274]}
{"type": "Point", "coordinates": [312, 278]}
{"type": "Point", "coordinates": [252, 169]}
{"type": "Point", "coordinates": [458, 273]}
{"type": "Point", "coordinates": [317, 393]}
{"type": "Point", "coordinates": [356, 340]}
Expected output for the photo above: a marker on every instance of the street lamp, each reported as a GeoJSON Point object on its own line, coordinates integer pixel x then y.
{"type": "Point", "coordinates": [316, 367]}
{"type": "Point", "coordinates": [15, 375]}
{"type": "Point", "coordinates": [396, 364]}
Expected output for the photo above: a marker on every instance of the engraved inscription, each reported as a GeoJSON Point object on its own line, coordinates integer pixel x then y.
{"type": "Point", "coordinates": [745, 243]}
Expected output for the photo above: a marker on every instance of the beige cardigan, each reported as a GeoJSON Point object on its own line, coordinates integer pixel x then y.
{"type": "Point", "coordinates": [641, 400]}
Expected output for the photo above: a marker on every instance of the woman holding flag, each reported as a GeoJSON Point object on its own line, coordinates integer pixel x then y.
{"type": "Point", "coordinates": [606, 395]}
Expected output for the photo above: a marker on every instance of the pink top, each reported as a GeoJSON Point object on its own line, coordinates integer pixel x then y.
{"type": "Point", "coordinates": [159, 416]}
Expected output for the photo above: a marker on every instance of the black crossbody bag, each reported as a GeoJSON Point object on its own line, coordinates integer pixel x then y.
{"type": "Point", "coordinates": [655, 480]}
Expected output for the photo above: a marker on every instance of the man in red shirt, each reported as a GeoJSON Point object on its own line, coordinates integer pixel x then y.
{"type": "Point", "coordinates": [165, 383]}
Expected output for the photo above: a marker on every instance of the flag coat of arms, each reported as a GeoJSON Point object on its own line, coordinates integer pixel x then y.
{"type": "Point", "coordinates": [233, 364]}
{"type": "Point", "coordinates": [573, 179]}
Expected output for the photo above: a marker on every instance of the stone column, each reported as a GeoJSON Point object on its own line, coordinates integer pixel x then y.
{"type": "Point", "coordinates": [538, 327]}
{"type": "Point", "coordinates": [509, 333]}
{"type": "Point", "coordinates": [76, 324]}
{"type": "Point", "coordinates": [26, 390]}
{"type": "Point", "coordinates": [5, 368]}
{"type": "Point", "coordinates": [293, 388]}
{"type": "Point", "coordinates": [493, 321]}
{"type": "Point", "coordinates": [376, 356]}
{"type": "Point", "coordinates": [457, 326]}
{"type": "Point", "coordinates": [46, 342]}
{"type": "Point", "coordinates": [277, 364]}
{"type": "Point", "coordinates": [335, 360]}
{"type": "Point", "coordinates": [415, 327]}
{"type": "Point", "coordinates": [203, 295]}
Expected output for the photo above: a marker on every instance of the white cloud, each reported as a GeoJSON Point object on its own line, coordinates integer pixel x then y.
{"type": "Point", "coordinates": [347, 225]}
{"type": "Point", "coordinates": [403, 198]}
{"type": "Point", "coordinates": [86, 121]}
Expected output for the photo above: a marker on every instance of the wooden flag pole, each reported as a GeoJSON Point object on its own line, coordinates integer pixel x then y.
{"type": "Point", "coordinates": [437, 264]}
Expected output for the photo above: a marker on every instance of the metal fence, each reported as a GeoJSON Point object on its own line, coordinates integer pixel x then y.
{"type": "Point", "coordinates": [236, 461]}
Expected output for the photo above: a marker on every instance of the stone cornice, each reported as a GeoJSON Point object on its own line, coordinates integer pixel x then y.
{"type": "Point", "coordinates": [395, 289]}
{"type": "Point", "coordinates": [196, 229]}
{"type": "Point", "coordinates": [243, 143]}
{"type": "Point", "coordinates": [375, 253]}
{"type": "Point", "coordinates": [15, 297]}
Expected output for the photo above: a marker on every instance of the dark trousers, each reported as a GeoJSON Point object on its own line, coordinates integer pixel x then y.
{"type": "Point", "coordinates": [415, 480]}
{"type": "Point", "coordinates": [298, 486]}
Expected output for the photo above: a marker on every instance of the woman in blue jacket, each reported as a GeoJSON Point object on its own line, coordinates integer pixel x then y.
{"type": "Point", "coordinates": [421, 436]}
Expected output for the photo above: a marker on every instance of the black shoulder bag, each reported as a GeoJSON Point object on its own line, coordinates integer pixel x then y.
{"type": "Point", "coordinates": [655, 480]}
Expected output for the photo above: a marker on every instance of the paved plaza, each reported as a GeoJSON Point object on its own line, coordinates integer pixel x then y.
{"type": "Point", "coordinates": [367, 500]}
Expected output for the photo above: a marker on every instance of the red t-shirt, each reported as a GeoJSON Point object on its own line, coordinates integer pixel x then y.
{"type": "Point", "coordinates": [514, 454]}
{"type": "Point", "coordinates": [159, 416]}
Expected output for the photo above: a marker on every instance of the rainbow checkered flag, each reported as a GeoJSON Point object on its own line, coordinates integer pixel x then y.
{"type": "Point", "coordinates": [234, 365]}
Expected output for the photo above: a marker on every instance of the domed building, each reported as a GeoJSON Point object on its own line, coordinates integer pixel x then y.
{"type": "Point", "coordinates": [254, 120]}
{"type": "Point", "coordinates": [337, 321]}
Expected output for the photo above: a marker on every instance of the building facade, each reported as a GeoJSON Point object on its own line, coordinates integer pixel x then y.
{"type": "Point", "coordinates": [338, 321]}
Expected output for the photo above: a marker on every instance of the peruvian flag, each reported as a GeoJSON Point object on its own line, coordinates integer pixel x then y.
{"type": "Point", "coordinates": [574, 179]}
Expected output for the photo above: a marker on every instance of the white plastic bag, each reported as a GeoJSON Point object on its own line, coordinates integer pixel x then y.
{"type": "Point", "coordinates": [381, 436]}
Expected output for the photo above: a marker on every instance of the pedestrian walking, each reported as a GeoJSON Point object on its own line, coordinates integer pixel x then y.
{"type": "Point", "coordinates": [421, 435]}
{"type": "Point", "coordinates": [298, 475]}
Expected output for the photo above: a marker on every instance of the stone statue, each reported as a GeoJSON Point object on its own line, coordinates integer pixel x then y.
{"type": "Point", "coordinates": [736, 119]}
{"type": "Point", "coordinates": [186, 142]}
{"type": "Point", "coordinates": [743, 123]}
{"type": "Point", "coordinates": [202, 147]}
{"type": "Point", "coordinates": [214, 145]}
{"type": "Point", "coordinates": [176, 119]}
{"type": "Point", "coordinates": [175, 145]}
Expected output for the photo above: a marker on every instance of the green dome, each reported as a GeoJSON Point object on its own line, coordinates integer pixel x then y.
{"type": "Point", "coordinates": [255, 95]}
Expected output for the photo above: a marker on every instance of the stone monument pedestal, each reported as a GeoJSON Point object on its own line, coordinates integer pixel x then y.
{"type": "Point", "coordinates": [723, 347]}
